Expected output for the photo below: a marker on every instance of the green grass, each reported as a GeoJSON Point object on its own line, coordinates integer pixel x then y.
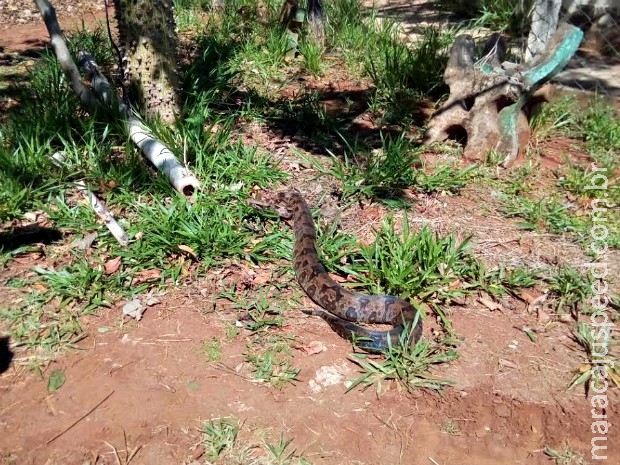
{"type": "Point", "coordinates": [226, 444]}
{"type": "Point", "coordinates": [312, 53]}
{"type": "Point", "coordinates": [451, 427]}
{"type": "Point", "coordinates": [556, 118]}
{"type": "Point", "coordinates": [597, 347]}
{"type": "Point", "coordinates": [501, 281]}
{"type": "Point", "coordinates": [219, 436]}
{"type": "Point", "coordinates": [596, 124]}
{"type": "Point", "coordinates": [189, 14]}
{"type": "Point", "coordinates": [576, 180]}
{"type": "Point", "coordinates": [80, 283]}
{"type": "Point", "coordinates": [386, 172]}
{"type": "Point", "coordinates": [414, 263]}
{"type": "Point", "coordinates": [596, 181]}
{"type": "Point", "coordinates": [212, 349]}
{"type": "Point", "coordinates": [556, 216]}
{"type": "Point", "coordinates": [262, 307]}
{"type": "Point", "coordinates": [252, 51]}
{"type": "Point", "coordinates": [270, 360]}
{"type": "Point", "coordinates": [45, 331]}
{"type": "Point", "coordinates": [570, 290]}
{"type": "Point", "coordinates": [167, 233]}
{"type": "Point", "coordinates": [407, 365]}
{"type": "Point", "coordinates": [546, 214]}
{"type": "Point", "coordinates": [234, 75]}
{"type": "Point", "coordinates": [601, 126]}
{"type": "Point", "coordinates": [404, 74]}
{"type": "Point", "coordinates": [279, 453]}
{"type": "Point", "coordinates": [565, 456]}
{"type": "Point", "coordinates": [573, 209]}
{"type": "Point", "coordinates": [520, 180]}
{"type": "Point", "coordinates": [510, 16]}
{"type": "Point", "coordinates": [419, 265]}
{"type": "Point", "coordinates": [428, 268]}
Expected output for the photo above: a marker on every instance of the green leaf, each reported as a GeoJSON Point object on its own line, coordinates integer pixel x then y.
{"type": "Point", "coordinates": [192, 385]}
{"type": "Point", "coordinates": [531, 334]}
{"type": "Point", "coordinates": [579, 379]}
{"type": "Point", "coordinates": [527, 226]}
{"type": "Point", "coordinates": [56, 380]}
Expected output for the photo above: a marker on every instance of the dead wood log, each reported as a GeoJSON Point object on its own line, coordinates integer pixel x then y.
{"type": "Point", "coordinates": [485, 107]}
{"type": "Point", "coordinates": [102, 95]}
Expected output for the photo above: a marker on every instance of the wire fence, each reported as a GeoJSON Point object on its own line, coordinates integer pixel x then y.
{"type": "Point", "coordinates": [527, 25]}
{"type": "Point", "coordinates": [596, 65]}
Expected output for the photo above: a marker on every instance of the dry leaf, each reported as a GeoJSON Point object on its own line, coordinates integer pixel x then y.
{"type": "Point", "coordinates": [86, 242]}
{"type": "Point", "coordinates": [134, 308]}
{"type": "Point", "coordinates": [507, 363]}
{"type": "Point", "coordinates": [185, 269]}
{"type": "Point", "coordinates": [488, 303]}
{"type": "Point", "coordinates": [260, 279]}
{"type": "Point", "coordinates": [188, 250]}
{"type": "Point", "coordinates": [526, 297]}
{"type": "Point", "coordinates": [315, 347]}
{"type": "Point", "coordinates": [146, 276]}
{"type": "Point", "coordinates": [543, 317]}
{"type": "Point", "coordinates": [112, 266]}
{"type": "Point", "coordinates": [40, 287]}
{"type": "Point", "coordinates": [337, 278]}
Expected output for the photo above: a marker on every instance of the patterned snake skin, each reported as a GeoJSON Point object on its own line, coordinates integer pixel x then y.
{"type": "Point", "coordinates": [344, 306]}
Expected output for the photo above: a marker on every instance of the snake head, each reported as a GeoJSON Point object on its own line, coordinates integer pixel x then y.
{"type": "Point", "coordinates": [282, 202]}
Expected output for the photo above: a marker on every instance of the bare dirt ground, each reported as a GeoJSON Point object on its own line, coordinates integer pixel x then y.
{"type": "Point", "coordinates": [148, 385]}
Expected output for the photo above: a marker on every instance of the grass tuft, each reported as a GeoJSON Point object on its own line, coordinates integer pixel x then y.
{"type": "Point", "coordinates": [271, 362]}
{"type": "Point", "coordinates": [225, 445]}
{"type": "Point", "coordinates": [598, 345]}
{"type": "Point", "coordinates": [566, 456]}
{"type": "Point", "coordinates": [386, 172]}
{"type": "Point", "coordinates": [408, 365]}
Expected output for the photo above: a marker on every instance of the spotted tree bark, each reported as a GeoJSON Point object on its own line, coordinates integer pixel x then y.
{"type": "Point", "coordinates": [316, 20]}
{"type": "Point", "coordinates": [148, 41]}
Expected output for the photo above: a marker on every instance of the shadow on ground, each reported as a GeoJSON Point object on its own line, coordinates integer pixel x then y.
{"type": "Point", "coordinates": [6, 355]}
{"type": "Point", "coordinates": [28, 235]}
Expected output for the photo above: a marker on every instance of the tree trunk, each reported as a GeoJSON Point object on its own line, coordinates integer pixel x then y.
{"type": "Point", "coordinates": [544, 23]}
{"type": "Point", "coordinates": [316, 20]}
{"type": "Point", "coordinates": [149, 43]}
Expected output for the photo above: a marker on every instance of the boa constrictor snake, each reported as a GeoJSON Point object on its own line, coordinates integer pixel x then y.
{"type": "Point", "coordinates": [343, 307]}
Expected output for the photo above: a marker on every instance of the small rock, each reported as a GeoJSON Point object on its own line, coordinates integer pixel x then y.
{"type": "Point", "coordinates": [328, 376]}
{"type": "Point", "coordinates": [314, 386]}
{"type": "Point", "coordinates": [134, 309]}
{"type": "Point", "coordinates": [502, 411]}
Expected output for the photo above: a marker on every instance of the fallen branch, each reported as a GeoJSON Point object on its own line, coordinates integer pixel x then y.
{"type": "Point", "coordinates": [52, 439]}
{"type": "Point", "coordinates": [103, 213]}
{"type": "Point", "coordinates": [485, 108]}
{"type": "Point", "coordinates": [157, 153]}
{"type": "Point", "coordinates": [88, 99]}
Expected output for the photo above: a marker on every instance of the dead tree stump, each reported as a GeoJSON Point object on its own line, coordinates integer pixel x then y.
{"type": "Point", "coordinates": [485, 107]}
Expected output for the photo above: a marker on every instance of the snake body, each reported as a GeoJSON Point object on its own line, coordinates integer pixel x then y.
{"type": "Point", "coordinates": [344, 307]}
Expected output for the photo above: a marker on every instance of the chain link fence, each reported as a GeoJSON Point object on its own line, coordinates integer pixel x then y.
{"type": "Point", "coordinates": [528, 24]}
{"type": "Point", "coordinates": [596, 65]}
